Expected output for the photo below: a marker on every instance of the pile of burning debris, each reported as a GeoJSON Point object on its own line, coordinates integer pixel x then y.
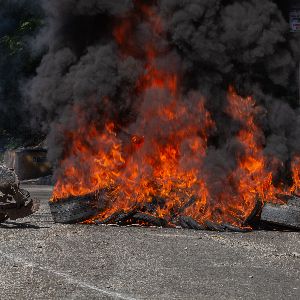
{"type": "Point", "coordinates": [174, 132]}
{"type": "Point", "coordinates": [89, 209]}
{"type": "Point", "coordinates": [15, 202]}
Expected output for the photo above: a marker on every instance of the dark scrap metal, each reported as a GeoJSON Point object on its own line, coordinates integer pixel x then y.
{"type": "Point", "coordinates": [15, 202]}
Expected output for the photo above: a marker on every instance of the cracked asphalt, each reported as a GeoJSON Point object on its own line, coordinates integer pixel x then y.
{"type": "Point", "coordinates": [43, 260]}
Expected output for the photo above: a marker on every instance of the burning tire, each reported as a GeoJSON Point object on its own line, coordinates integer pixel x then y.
{"type": "Point", "coordinates": [282, 215]}
{"type": "Point", "coordinates": [76, 209]}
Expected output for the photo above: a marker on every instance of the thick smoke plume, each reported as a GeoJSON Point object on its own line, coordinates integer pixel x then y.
{"type": "Point", "coordinates": [215, 43]}
{"type": "Point", "coordinates": [206, 90]}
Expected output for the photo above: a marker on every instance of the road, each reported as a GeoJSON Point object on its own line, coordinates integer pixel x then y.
{"type": "Point", "coordinates": [43, 260]}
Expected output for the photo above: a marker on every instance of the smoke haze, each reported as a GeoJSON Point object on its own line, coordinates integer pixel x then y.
{"type": "Point", "coordinates": [214, 43]}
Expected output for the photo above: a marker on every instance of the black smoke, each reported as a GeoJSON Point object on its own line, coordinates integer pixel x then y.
{"type": "Point", "coordinates": [214, 43]}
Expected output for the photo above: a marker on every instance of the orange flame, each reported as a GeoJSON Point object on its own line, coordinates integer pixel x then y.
{"type": "Point", "coordinates": [295, 166]}
{"type": "Point", "coordinates": [162, 153]}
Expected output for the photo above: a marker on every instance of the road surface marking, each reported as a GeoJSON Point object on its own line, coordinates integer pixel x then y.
{"type": "Point", "coordinates": [66, 277]}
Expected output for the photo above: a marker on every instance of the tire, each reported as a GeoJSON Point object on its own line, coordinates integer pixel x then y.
{"type": "Point", "coordinates": [76, 209]}
{"type": "Point", "coordinates": [281, 215]}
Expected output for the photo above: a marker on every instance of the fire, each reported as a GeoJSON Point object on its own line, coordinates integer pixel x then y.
{"type": "Point", "coordinates": [162, 153]}
{"type": "Point", "coordinates": [251, 176]}
{"type": "Point", "coordinates": [296, 174]}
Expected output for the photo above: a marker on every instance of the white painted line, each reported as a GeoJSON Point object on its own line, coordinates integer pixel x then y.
{"type": "Point", "coordinates": [66, 277]}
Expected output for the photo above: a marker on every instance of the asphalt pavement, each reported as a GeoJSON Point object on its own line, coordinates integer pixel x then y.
{"type": "Point", "coordinates": [43, 260]}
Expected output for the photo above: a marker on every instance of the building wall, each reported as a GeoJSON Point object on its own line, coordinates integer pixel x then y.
{"type": "Point", "coordinates": [28, 163]}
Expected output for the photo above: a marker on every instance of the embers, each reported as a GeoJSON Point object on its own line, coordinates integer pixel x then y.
{"type": "Point", "coordinates": [92, 209]}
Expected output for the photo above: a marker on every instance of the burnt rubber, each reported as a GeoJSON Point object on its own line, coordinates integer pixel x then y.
{"type": "Point", "coordinates": [281, 215]}
{"type": "Point", "coordinates": [232, 228]}
{"type": "Point", "coordinates": [256, 210]}
{"type": "Point", "coordinates": [214, 226]}
{"type": "Point", "coordinates": [151, 220]}
{"type": "Point", "coordinates": [3, 217]}
{"type": "Point", "coordinates": [75, 209]}
{"type": "Point", "coordinates": [124, 217]}
{"type": "Point", "coordinates": [189, 222]}
{"type": "Point", "coordinates": [187, 204]}
{"type": "Point", "coordinates": [110, 219]}
{"type": "Point", "coordinates": [180, 222]}
{"type": "Point", "coordinates": [294, 200]}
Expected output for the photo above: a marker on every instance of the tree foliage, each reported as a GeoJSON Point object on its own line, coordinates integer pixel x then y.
{"type": "Point", "coordinates": [19, 22]}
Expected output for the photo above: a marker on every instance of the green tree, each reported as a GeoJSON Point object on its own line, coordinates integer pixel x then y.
{"type": "Point", "coordinates": [19, 22]}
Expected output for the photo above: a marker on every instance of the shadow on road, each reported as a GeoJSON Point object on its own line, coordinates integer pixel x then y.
{"type": "Point", "coordinates": [15, 225]}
